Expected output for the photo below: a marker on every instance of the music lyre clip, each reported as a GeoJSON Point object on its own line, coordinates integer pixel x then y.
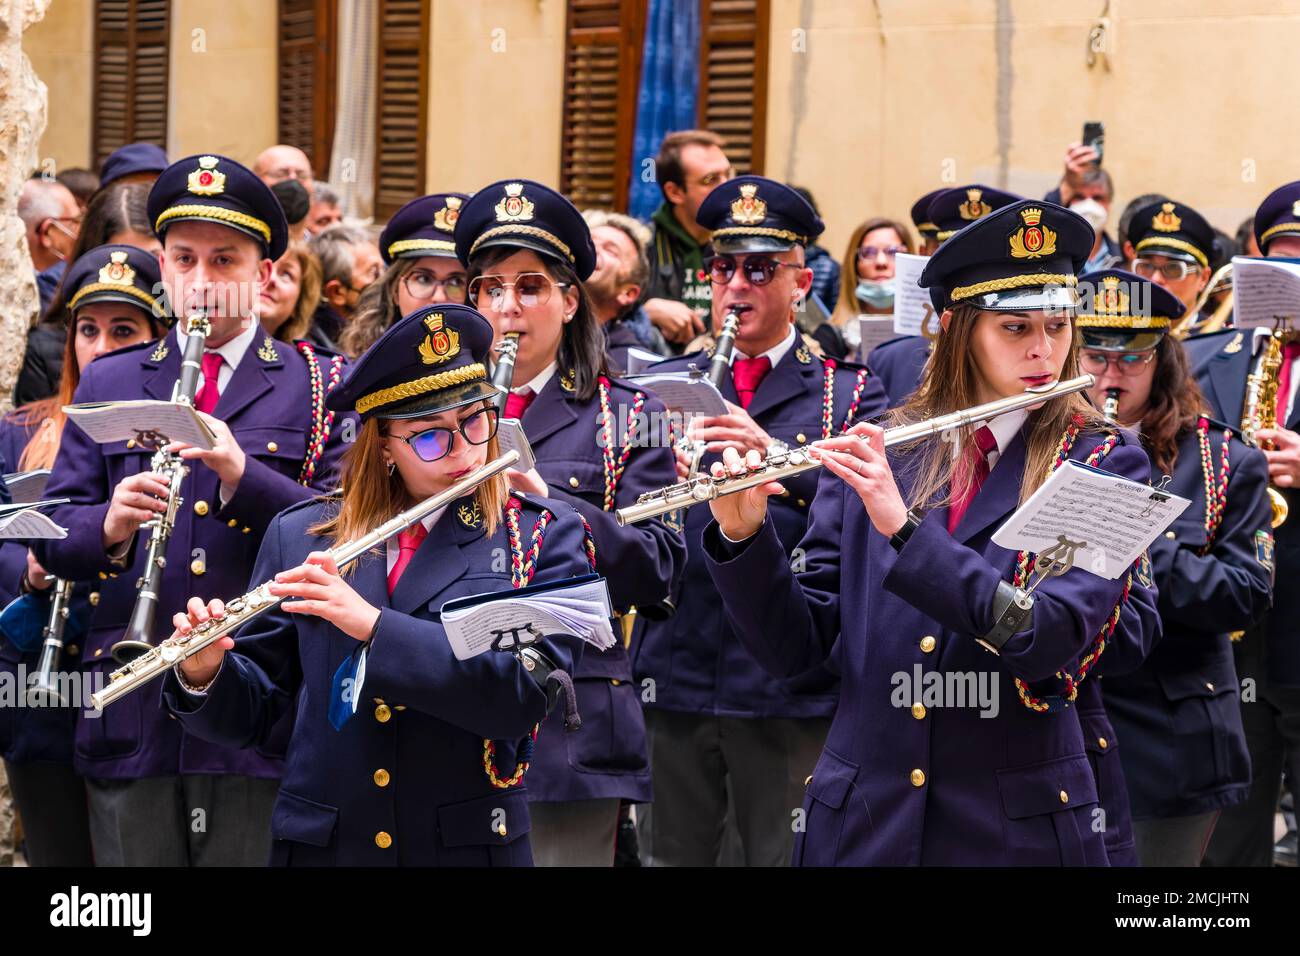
{"type": "Point", "coordinates": [1055, 561]}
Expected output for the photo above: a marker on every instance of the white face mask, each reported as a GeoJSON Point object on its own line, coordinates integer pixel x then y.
{"type": "Point", "coordinates": [1092, 211]}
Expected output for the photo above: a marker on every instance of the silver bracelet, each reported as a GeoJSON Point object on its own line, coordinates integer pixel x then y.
{"type": "Point", "coordinates": [203, 689]}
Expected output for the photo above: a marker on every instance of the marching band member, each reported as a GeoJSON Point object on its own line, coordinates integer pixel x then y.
{"type": "Point", "coordinates": [108, 301]}
{"type": "Point", "coordinates": [1268, 656]}
{"type": "Point", "coordinates": [1176, 716]}
{"type": "Point", "coordinates": [900, 362]}
{"type": "Point", "coordinates": [888, 591]}
{"type": "Point", "coordinates": [159, 796]}
{"type": "Point", "coordinates": [420, 269]}
{"type": "Point", "coordinates": [429, 771]}
{"type": "Point", "coordinates": [528, 250]}
{"type": "Point", "coordinates": [715, 717]}
{"type": "Point", "coordinates": [1172, 246]}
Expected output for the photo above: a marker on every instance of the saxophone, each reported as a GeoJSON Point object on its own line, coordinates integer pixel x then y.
{"type": "Point", "coordinates": [137, 641]}
{"type": "Point", "coordinates": [157, 660]}
{"type": "Point", "coordinates": [1259, 410]}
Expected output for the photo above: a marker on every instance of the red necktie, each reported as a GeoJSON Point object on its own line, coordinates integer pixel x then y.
{"type": "Point", "coordinates": [747, 373]}
{"type": "Point", "coordinates": [1284, 381]}
{"type": "Point", "coordinates": [517, 403]}
{"type": "Point", "coordinates": [408, 542]}
{"type": "Point", "coordinates": [208, 395]}
{"type": "Point", "coordinates": [972, 468]}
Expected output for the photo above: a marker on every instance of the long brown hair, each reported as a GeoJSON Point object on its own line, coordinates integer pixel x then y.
{"type": "Point", "coordinates": [1174, 406]}
{"type": "Point", "coordinates": [43, 447]}
{"type": "Point", "coordinates": [376, 310]}
{"type": "Point", "coordinates": [846, 309]}
{"type": "Point", "coordinates": [950, 384]}
{"type": "Point", "coordinates": [299, 320]}
{"type": "Point", "coordinates": [371, 495]}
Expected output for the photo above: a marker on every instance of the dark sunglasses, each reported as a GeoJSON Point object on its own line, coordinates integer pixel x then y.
{"type": "Point", "coordinates": [434, 443]}
{"type": "Point", "coordinates": [758, 270]}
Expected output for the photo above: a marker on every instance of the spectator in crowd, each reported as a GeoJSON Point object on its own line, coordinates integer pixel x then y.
{"type": "Point", "coordinates": [275, 164]}
{"type": "Point", "coordinates": [82, 183]}
{"type": "Point", "coordinates": [826, 271]}
{"type": "Point", "coordinates": [1246, 243]}
{"type": "Point", "coordinates": [350, 262]}
{"type": "Point", "coordinates": [325, 209]}
{"type": "Point", "coordinates": [690, 163]}
{"type": "Point", "coordinates": [288, 302]}
{"type": "Point", "coordinates": [52, 219]}
{"type": "Point", "coordinates": [133, 163]}
{"type": "Point", "coordinates": [616, 283]}
{"type": "Point", "coordinates": [1087, 189]}
{"type": "Point", "coordinates": [296, 203]}
{"type": "Point", "coordinates": [117, 215]}
{"type": "Point", "coordinates": [866, 282]}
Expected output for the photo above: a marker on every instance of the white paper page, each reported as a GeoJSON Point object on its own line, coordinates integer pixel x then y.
{"type": "Point", "coordinates": [874, 329]}
{"type": "Point", "coordinates": [27, 486]}
{"type": "Point", "coordinates": [511, 437]}
{"type": "Point", "coordinates": [29, 524]}
{"type": "Point", "coordinates": [681, 393]}
{"type": "Point", "coordinates": [638, 360]}
{"type": "Point", "coordinates": [1264, 289]}
{"type": "Point", "coordinates": [582, 611]}
{"type": "Point", "coordinates": [107, 422]}
{"type": "Point", "coordinates": [1115, 519]}
{"type": "Point", "coordinates": [912, 308]}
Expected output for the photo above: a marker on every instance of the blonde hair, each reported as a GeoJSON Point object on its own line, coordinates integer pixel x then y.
{"type": "Point", "coordinates": [951, 384]}
{"type": "Point", "coordinates": [846, 309]}
{"type": "Point", "coordinates": [371, 495]}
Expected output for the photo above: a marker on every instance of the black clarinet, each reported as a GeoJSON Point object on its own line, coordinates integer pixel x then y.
{"type": "Point", "coordinates": [503, 374]}
{"type": "Point", "coordinates": [44, 691]}
{"type": "Point", "coordinates": [139, 630]}
{"type": "Point", "coordinates": [724, 353]}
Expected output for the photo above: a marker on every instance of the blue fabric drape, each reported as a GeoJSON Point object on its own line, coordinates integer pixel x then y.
{"type": "Point", "coordinates": [670, 72]}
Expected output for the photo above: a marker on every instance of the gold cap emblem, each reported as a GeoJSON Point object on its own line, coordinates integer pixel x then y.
{"type": "Point", "coordinates": [441, 343]}
{"type": "Point", "coordinates": [1112, 299]}
{"type": "Point", "coordinates": [117, 272]}
{"type": "Point", "coordinates": [1032, 240]}
{"type": "Point", "coordinates": [514, 205]}
{"type": "Point", "coordinates": [445, 218]}
{"type": "Point", "coordinates": [748, 209]}
{"type": "Point", "coordinates": [1165, 220]}
{"type": "Point", "coordinates": [206, 180]}
{"type": "Point", "coordinates": [974, 207]}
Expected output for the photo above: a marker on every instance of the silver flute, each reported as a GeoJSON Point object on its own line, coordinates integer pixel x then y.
{"type": "Point", "coordinates": [704, 488]}
{"type": "Point", "coordinates": [139, 631]}
{"type": "Point", "coordinates": [240, 611]}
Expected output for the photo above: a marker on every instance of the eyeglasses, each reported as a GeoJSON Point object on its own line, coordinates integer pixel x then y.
{"type": "Point", "coordinates": [434, 443]}
{"type": "Point", "coordinates": [871, 252]}
{"type": "Point", "coordinates": [1128, 363]}
{"type": "Point", "coordinates": [1172, 271]}
{"type": "Point", "coordinates": [421, 286]}
{"type": "Point", "coordinates": [531, 289]}
{"type": "Point", "coordinates": [60, 220]}
{"type": "Point", "coordinates": [758, 270]}
{"type": "Point", "coordinates": [302, 175]}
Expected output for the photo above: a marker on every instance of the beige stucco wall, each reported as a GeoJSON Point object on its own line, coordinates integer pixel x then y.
{"type": "Point", "coordinates": [894, 97]}
{"type": "Point", "coordinates": [59, 47]}
{"type": "Point", "coordinates": [494, 92]}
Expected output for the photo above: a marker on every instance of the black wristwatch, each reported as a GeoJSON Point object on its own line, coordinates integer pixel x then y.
{"type": "Point", "coordinates": [901, 536]}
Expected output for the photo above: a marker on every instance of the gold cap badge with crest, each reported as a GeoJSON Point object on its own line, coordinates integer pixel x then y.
{"type": "Point", "coordinates": [441, 343]}
{"type": "Point", "coordinates": [1113, 300]}
{"type": "Point", "coordinates": [445, 218]}
{"type": "Point", "coordinates": [1032, 240]}
{"type": "Point", "coordinates": [514, 205]}
{"type": "Point", "coordinates": [974, 207]}
{"type": "Point", "coordinates": [1165, 220]}
{"type": "Point", "coordinates": [747, 209]}
{"type": "Point", "coordinates": [117, 272]}
{"type": "Point", "coordinates": [207, 180]}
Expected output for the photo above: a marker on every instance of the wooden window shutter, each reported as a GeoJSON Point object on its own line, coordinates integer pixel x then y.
{"type": "Point", "coordinates": [130, 78]}
{"type": "Point", "coordinates": [602, 72]}
{"type": "Point", "coordinates": [733, 77]}
{"type": "Point", "coordinates": [401, 103]}
{"type": "Point", "coordinates": [305, 78]}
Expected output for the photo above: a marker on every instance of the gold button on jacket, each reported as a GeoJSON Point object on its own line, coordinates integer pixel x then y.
{"type": "Point", "coordinates": [918, 778]}
{"type": "Point", "coordinates": [383, 840]}
{"type": "Point", "coordinates": [383, 714]}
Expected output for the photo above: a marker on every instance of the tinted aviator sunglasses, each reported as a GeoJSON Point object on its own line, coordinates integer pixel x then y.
{"type": "Point", "coordinates": [434, 443]}
{"type": "Point", "coordinates": [758, 270]}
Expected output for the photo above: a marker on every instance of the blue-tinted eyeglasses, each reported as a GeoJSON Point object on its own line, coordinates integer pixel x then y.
{"type": "Point", "coordinates": [434, 443]}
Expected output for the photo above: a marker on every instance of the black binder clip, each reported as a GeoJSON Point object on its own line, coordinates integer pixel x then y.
{"type": "Point", "coordinates": [553, 681]}
{"type": "Point", "coordinates": [1159, 495]}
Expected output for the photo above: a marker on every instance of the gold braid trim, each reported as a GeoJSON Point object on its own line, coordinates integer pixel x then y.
{"type": "Point", "coordinates": [1122, 321]}
{"type": "Point", "coordinates": [1013, 282]}
{"type": "Point", "coordinates": [421, 386]}
{"type": "Point", "coordinates": [130, 290]}
{"type": "Point", "coordinates": [216, 214]}
{"type": "Point", "coordinates": [1281, 227]}
{"type": "Point", "coordinates": [926, 227]}
{"type": "Point", "coordinates": [761, 231]}
{"type": "Point", "coordinates": [532, 231]}
{"type": "Point", "coordinates": [406, 245]}
{"type": "Point", "coordinates": [946, 234]}
{"type": "Point", "coordinates": [1151, 241]}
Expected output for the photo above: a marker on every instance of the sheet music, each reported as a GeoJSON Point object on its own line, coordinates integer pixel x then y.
{"type": "Point", "coordinates": [511, 437]}
{"type": "Point", "coordinates": [26, 487]}
{"type": "Point", "coordinates": [1113, 518]}
{"type": "Point", "coordinates": [29, 524]}
{"type": "Point", "coordinates": [582, 611]}
{"type": "Point", "coordinates": [1263, 290]}
{"type": "Point", "coordinates": [107, 422]}
{"type": "Point", "coordinates": [638, 360]}
{"type": "Point", "coordinates": [683, 393]}
{"type": "Point", "coordinates": [913, 311]}
{"type": "Point", "coordinates": [873, 329]}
